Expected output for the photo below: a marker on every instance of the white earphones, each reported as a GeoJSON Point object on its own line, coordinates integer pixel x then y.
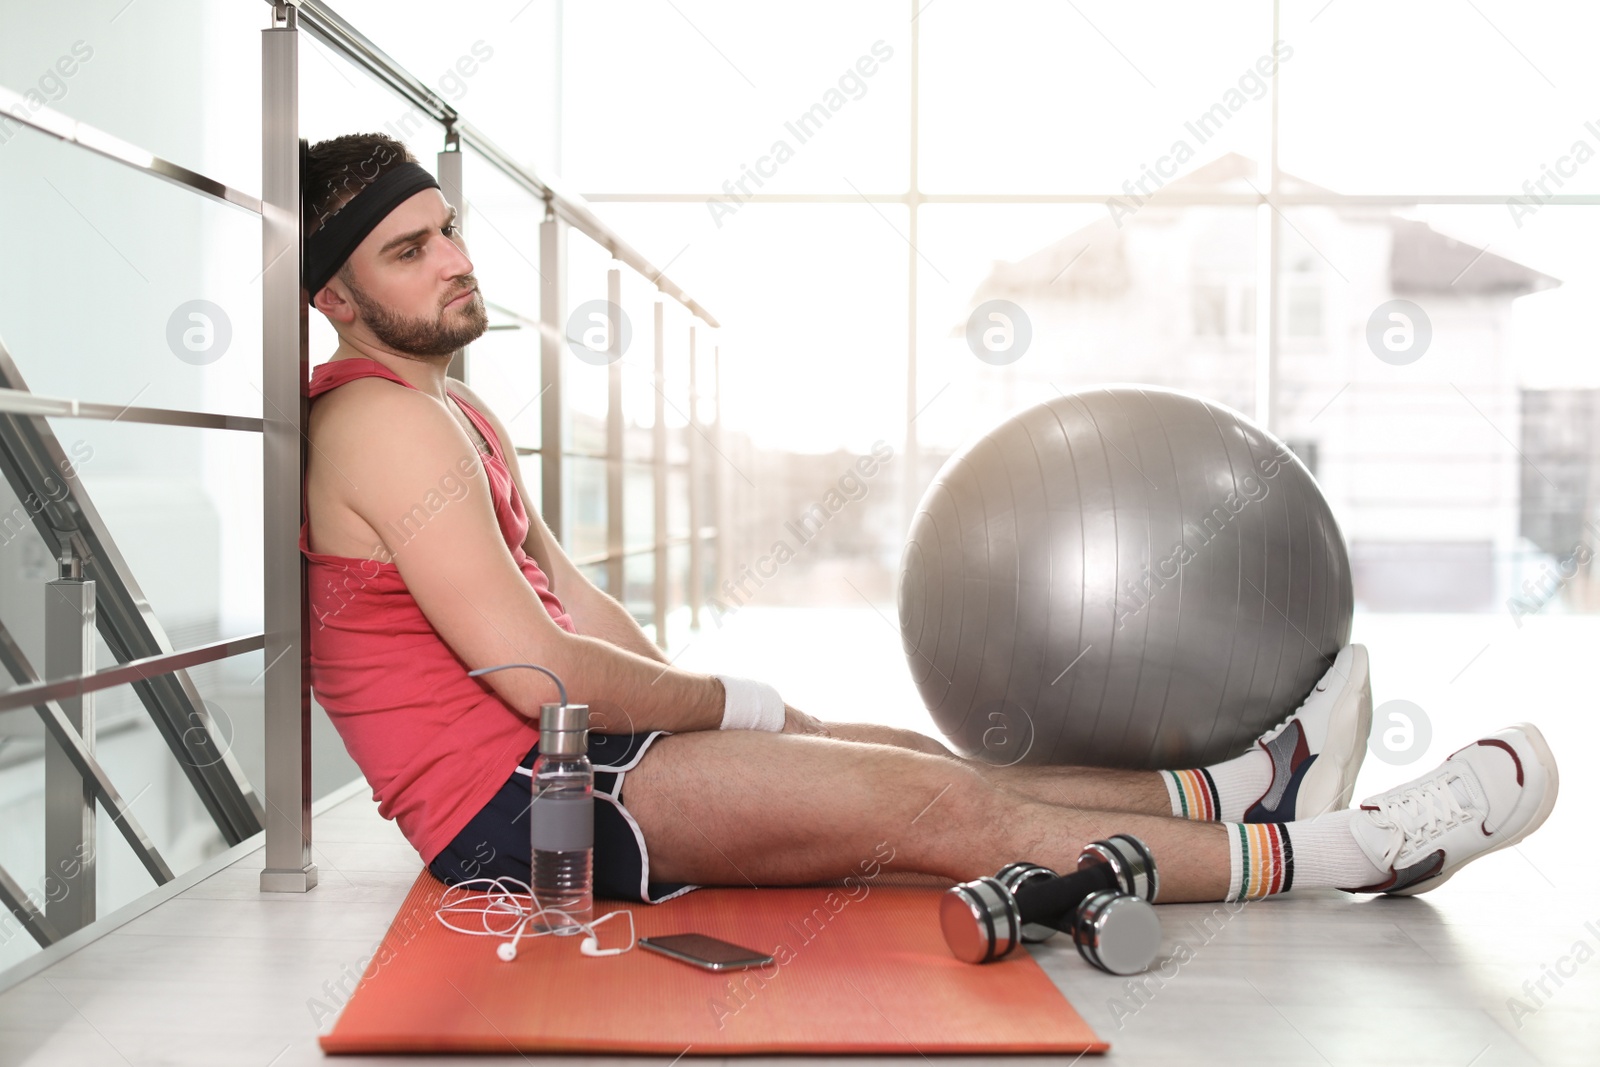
{"type": "Point", "coordinates": [590, 946]}
{"type": "Point", "coordinates": [500, 914]}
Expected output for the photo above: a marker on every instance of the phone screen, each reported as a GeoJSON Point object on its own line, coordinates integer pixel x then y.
{"type": "Point", "coordinates": [704, 951]}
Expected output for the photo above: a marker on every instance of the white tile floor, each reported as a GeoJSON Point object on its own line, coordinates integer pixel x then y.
{"type": "Point", "coordinates": [223, 975]}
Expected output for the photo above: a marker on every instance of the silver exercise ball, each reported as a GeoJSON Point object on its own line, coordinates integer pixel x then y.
{"type": "Point", "coordinates": [1123, 577]}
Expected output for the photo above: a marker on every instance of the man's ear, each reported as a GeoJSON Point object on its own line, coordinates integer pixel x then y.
{"type": "Point", "coordinates": [333, 302]}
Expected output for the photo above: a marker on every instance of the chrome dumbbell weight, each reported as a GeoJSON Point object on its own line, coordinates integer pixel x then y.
{"type": "Point", "coordinates": [1013, 875]}
{"type": "Point", "coordinates": [1104, 905]}
{"type": "Point", "coordinates": [1113, 930]}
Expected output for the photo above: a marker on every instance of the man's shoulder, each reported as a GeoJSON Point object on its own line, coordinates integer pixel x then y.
{"type": "Point", "coordinates": [373, 408]}
{"type": "Point", "coordinates": [466, 392]}
{"type": "Point", "coordinates": [366, 393]}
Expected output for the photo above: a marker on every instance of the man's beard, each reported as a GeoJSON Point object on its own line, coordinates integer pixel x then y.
{"type": "Point", "coordinates": [423, 337]}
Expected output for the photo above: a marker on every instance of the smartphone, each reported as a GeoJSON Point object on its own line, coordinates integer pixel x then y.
{"type": "Point", "coordinates": [708, 952]}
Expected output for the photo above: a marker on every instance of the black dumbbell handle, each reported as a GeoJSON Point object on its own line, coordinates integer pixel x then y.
{"type": "Point", "coordinates": [1045, 900]}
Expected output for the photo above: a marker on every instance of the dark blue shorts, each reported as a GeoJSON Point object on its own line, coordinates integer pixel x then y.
{"type": "Point", "coordinates": [495, 844]}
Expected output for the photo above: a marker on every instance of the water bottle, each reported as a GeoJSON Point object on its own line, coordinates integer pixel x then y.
{"type": "Point", "coordinates": [561, 819]}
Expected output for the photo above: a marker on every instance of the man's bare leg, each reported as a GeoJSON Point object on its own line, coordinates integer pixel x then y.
{"type": "Point", "coordinates": [1099, 788]}
{"type": "Point", "coordinates": [743, 807]}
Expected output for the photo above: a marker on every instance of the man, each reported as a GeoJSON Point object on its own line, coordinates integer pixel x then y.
{"type": "Point", "coordinates": [427, 560]}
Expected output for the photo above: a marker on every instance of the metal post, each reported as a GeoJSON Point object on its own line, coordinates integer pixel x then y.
{"type": "Point", "coordinates": [69, 842]}
{"type": "Point", "coordinates": [910, 469]}
{"type": "Point", "coordinates": [719, 487]}
{"type": "Point", "coordinates": [660, 475]}
{"type": "Point", "coordinates": [449, 169]}
{"type": "Point", "coordinates": [696, 565]}
{"type": "Point", "coordinates": [1269, 244]}
{"type": "Point", "coordinates": [552, 310]}
{"type": "Point", "coordinates": [284, 372]}
{"type": "Point", "coordinates": [616, 473]}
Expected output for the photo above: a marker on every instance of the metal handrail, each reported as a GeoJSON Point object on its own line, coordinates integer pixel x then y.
{"type": "Point", "coordinates": [519, 321]}
{"type": "Point", "coordinates": [128, 672]}
{"type": "Point", "coordinates": [334, 31]}
{"type": "Point", "coordinates": [72, 530]}
{"type": "Point", "coordinates": [55, 124]}
{"type": "Point", "coordinates": [675, 541]}
{"type": "Point", "coordinates": [578, 453]}
{"type": "Point", "coordinates": [61, 728]}
{"type": "Point", "coordinates": [22, 402]}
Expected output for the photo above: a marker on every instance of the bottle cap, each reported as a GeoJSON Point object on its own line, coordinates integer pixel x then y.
{"type": "Point", "coordinates": [564, 729]}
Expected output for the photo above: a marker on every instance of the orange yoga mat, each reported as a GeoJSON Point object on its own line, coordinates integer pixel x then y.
{"type": "Point", "coordinates": [857, 968]}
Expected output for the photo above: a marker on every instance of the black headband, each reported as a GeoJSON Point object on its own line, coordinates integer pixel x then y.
{"type": "Point", "coordinates": [337, 237]}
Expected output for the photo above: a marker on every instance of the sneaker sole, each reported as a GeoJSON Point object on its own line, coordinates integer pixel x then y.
{"type": "Point", "coordinates": [1547, 759]}
{"type": "Point", "coordinates": [1351, 722]}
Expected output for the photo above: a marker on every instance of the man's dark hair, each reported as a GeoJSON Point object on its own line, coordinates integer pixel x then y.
{"type": "Point", "coordinates": [339, 168]}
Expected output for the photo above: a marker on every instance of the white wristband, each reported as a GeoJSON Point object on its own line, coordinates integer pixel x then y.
{"type": "Point", "coordinates": [750, 705]}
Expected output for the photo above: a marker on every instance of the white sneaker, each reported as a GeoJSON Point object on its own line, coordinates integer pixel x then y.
{"type": "Point", "coordinates": [1317, 751]}
{"type": "Point", "coordinates": [1486, 796]}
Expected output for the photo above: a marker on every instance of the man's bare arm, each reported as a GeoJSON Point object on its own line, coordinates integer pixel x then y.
{"type": "Point", "coordinates": [594, 612]}
{"type": "Point", "coordinates": [408, 463]}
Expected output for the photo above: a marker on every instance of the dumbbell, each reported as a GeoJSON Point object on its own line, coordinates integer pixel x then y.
{"type": "Point", "coordinates": [1104, 904]}
{"type": "Point", "coordinates": [1013, 875]}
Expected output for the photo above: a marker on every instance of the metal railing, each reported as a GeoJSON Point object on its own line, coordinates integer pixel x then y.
{"type": "Point", "coordinates": [97, 591]}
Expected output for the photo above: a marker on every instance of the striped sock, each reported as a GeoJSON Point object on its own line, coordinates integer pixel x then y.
{"type": "Point", "coordinates": [1274, 857]}
{"type": "Point", "coordinates": [1193, 794]}
{"type": "Point", "coordinates": [1260, 859]}
{"type": "Point", "coordinates": [1223, 791]}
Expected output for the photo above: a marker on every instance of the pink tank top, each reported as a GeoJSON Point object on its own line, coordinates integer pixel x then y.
{"type": "Point", "coordinates": [434, 744]}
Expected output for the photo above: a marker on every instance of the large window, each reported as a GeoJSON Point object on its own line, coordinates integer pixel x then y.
{"type": "Point", "coordinates": [1117, 187]}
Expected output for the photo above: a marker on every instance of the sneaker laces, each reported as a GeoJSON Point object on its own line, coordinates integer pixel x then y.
{"type": "Point", "coordinates": [1419, 813]}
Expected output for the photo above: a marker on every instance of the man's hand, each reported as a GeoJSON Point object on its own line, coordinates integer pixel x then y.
{"type": "Point", "coordinates": [796, 721]}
